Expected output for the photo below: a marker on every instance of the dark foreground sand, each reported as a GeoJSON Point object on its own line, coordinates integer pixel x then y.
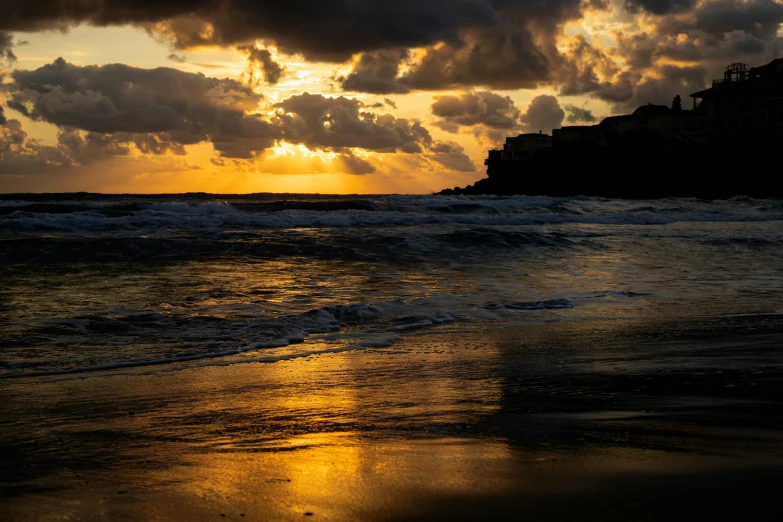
{"type": "Point", "coordinates": [558, 421]}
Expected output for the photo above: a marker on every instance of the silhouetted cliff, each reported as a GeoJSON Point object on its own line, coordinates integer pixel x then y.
{"type": "Point", "coordinates": [716, 171]}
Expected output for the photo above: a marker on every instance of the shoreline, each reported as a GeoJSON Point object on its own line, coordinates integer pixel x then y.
{"type": "Point", "coordinates": [548, 420]}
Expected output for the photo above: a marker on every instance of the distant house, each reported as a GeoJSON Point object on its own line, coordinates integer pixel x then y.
{"type": "Point", "coordinates": [745, 106]}
{"type": "Point", "coordinates": [521, 148]}
{"type": "Point", "coordinates": [656, 118]}
{"type": "Point", "coordinates": [618, 124]}
{"type": "Point", "coordinates": [709, 151]}
{"type": "Point", "coordinates": [524, 146]}
{"type": "Point", "coordinates": [744, 101]}
{"type": "Point", "coordinates": [577, 136]}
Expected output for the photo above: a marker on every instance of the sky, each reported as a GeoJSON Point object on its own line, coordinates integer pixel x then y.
{"type": "Point", "coordinates": [335, 96]}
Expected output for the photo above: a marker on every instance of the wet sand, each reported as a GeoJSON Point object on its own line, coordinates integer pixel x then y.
{"type": "Point", "coordinates": [593, 420]}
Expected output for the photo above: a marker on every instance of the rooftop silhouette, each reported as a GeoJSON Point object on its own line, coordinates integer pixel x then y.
{"type": "Point", "coordinates": [717, 149]}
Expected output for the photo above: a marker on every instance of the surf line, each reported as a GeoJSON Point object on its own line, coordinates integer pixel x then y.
{"type": "Point", "coordinates": [383, 342]}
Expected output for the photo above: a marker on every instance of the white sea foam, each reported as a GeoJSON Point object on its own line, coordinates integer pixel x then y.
{"type": "Point", "coordinates": [88, 221]}
{"type": "Point", "coordinates": [299, 329]}
{"type": "Point", "coordinates": [339, 327]}
{"type": "Point", "coordinates": [367, 342]}
{"type": "Point", "coordinates": [202, 209]}
{"type": "Point", "coordinates": [409, 212]}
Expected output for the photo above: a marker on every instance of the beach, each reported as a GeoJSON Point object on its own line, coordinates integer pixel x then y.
{"type": "Point", "coordinates": [413, 359]}
{"type": "Point", "coordinates": [441, 427]}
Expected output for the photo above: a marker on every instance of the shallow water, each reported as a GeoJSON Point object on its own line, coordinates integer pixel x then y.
{"type": "Point", "coordinates": [595, 420]}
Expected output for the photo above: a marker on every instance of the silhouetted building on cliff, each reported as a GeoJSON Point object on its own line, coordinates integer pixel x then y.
{"type": "Point", "coordinates": [521, 148]}
{"type": "Point", "coordinates": [657, 150]}
{"type": "Point", "coordinates": [744, 101]}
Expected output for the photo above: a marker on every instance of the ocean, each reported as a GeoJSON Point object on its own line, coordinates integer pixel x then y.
{"type": "Point", "coordinates": [149, 342]}
{"type": "Point", "coordinates": [98, 283]}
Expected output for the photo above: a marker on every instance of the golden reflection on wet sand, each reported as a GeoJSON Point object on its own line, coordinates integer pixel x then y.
{"type": "Point", "coordinates": [363, 435]}
{"type": "Point", "coordinates": [339, 476]}
{"type": "Point", "coordinates": [296, 435]}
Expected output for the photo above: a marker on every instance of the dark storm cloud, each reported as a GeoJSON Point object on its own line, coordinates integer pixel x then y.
{"type": "Point", "coordinates": [576, 114]}
{"type": "Point", "coordinates": [20, 154]}
{"type": "Point", "coordinates": [628, 89]}
{"type": "Point", "coordinates": [497, 43]}
{"type": "Point", "coordinates": [659, 7]}
{"type": "Point", "coordinates": [519, 51]}
{"type": "Point", "coordinates": [744, 43]}
{"type": "Point", "coordinates": [591, 71]}
{"type": "Point", "coordinates": [735, 46]}
{"type": "Point", "coordinates": [543, 114]}
{"type": "Point", "coordinates": [6, 47]}
{"type": "Point", "coordinates": [676, 80]}
{"type": "Point", "coordinates": [174, 57]}
{"type": "Point", "coordinates": [322, 122]}
{"type": "Point", "coordinates": [120, 98]}
{"type": "Point", "coordinates": [180, 108]}
{"type": "Point", "coordinates": [85, 148]}
{"type": "Point", "coordinates": [659, 66]}
{"type": "Point", "coordinates": [761, 18]}
{"type": "Point", "coordinates": [684, 46]}
{"type": "Point", "coordinates": [32, 15]}
{"type": "Point", "coordinates": [355, 165]}
{"type": "Point", "coordinates": [330, 30]}
{"type": "Point", "coordinates": [502, 58]}
{"type": "Point", "coordinates": [723, 30]}
{"type": "Point", "coordinates": [158, 111]}
{"type": "Point", "coordinates": [452, 156]}
{"type": "Point", "coordinates": [3, 119]}
{"type": "Point", "coordinates": [376, 73]}
{"type": "Point", "coordinates": [493, 117]}
{"type": "Point", "coordinates": [18, 107]}
{"type": "Point", "coordinates": [467, 43]}
{"type": "Point", "coordinates": [681, 56]}
{"type": "Point", "coordinates": [475, 108]}
{"type": "Point", "coordinates": [260, 62]}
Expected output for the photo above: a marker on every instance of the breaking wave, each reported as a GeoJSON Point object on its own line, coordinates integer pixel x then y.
{"type": "Point", "coordinates": [243, 332]}
{"type": "Point", "coordinates": [390, 211]}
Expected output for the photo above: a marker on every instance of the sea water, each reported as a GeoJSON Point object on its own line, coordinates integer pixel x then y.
{"type": "Point", "coordinates": [98, 284]}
